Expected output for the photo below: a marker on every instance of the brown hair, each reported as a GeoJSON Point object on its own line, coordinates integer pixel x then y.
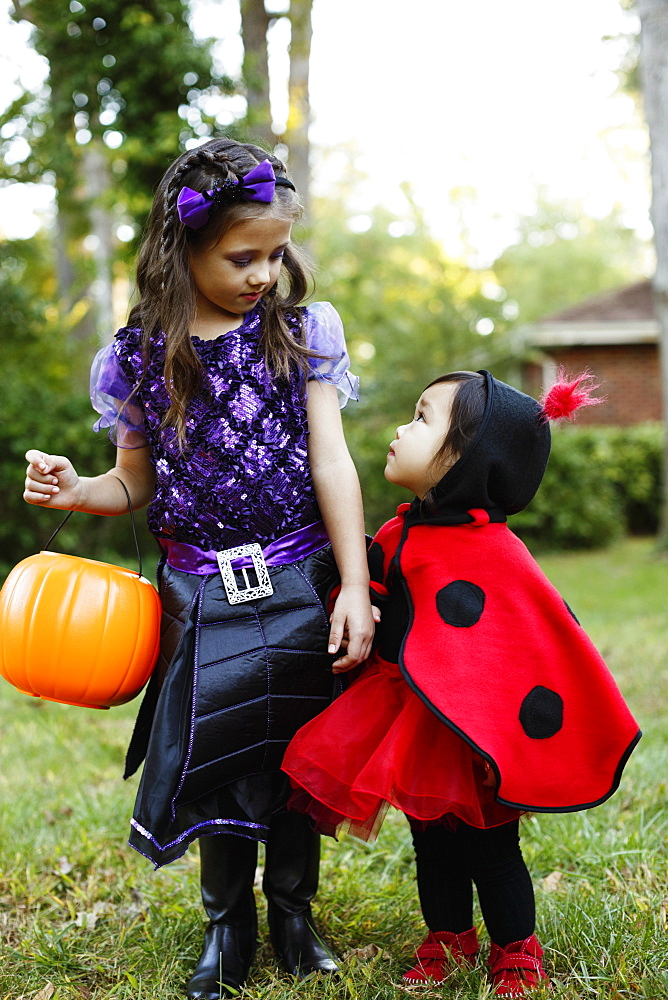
{"type": "Point", "coordinates": [468, 409]}
{"type": "Point", "coordinates": [164, 280]}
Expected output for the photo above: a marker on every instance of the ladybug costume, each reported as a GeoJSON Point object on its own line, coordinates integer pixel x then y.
{"type": "Point", "coordinates": [485, 697]}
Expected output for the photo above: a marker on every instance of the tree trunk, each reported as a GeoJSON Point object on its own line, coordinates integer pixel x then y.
{"type": "Point", "coordinates": [654, 79]}
{"type": "Point", "coordinates": [64, 269]}
{"type": "Point", "coordinates": [97, 186]}
{"type": "Point", "coordinates": [299, 115]}
{"type": "Point", "coordinates": [255, 71]}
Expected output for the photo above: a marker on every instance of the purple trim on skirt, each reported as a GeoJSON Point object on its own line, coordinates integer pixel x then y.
{"type": "Point", "coordinates": [281, 552]}
{"type": "Point", "coordinates": [188, 834]}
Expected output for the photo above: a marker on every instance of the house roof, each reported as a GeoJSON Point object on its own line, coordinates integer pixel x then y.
{"type": "Point", "coordinates": [622, 316]}
{"type": "Point", "coordinates": [619, 305]}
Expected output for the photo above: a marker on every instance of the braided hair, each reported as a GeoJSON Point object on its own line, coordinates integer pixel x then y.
{"type": "Point", "coordinates": [167, 292]}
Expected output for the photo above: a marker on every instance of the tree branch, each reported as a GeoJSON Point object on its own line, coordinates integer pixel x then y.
{"type": "Point", "coordinates": [18, 13]}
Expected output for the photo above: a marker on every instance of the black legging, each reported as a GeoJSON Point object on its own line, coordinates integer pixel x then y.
{"type": "Point", "coordinates": [449, 862]}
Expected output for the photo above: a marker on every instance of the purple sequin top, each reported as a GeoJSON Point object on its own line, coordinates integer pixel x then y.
{"type": "Point", "coordinates": [244, 475]}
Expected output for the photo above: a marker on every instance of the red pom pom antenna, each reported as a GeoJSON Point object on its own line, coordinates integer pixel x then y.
{"type": "Point", "coordinates": [568, 394]}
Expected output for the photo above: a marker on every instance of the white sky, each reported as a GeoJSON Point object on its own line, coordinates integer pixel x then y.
{"type": "Point", "coordinates": [499, 96]}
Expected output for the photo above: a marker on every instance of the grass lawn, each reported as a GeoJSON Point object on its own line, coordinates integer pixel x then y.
{"type": "Point", "coordinates": [83, 916]}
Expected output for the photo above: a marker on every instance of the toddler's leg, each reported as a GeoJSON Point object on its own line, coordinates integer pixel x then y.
{"type": "Point", "coordinates": [444, 883]}
{"type": "Point", "coordinates": [290, 882]}
{"type": "Point", "coordinates": [446, 899]}
{"type": "Point", "coordinates": [493, 859]}
{"type": "Point", "coordinates": [506, 896]}
{"type": "Point", "coordinates": [228, 866]}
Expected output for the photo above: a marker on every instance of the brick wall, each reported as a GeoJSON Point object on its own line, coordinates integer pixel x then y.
{"type": "Point", "coordinates": [629, 377]}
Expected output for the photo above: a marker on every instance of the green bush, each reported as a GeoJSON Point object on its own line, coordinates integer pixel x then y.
{"type": "Point", "coordinates": [600, 483]}
{"type": "Point", "coordinates": [635, 471]}
{"type": "Point", "coordinates": [44, 405]}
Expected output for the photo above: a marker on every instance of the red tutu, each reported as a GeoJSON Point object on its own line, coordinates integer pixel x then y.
{"type": "Point", "coordinates": [379, 744]}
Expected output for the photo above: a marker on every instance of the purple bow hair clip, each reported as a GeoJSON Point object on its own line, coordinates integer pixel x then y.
{"type": "Point", "coordinates": [194, 207]}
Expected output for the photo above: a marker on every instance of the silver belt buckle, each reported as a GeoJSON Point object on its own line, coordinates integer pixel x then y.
{"type": "Point", "coordinates": [248, 593]}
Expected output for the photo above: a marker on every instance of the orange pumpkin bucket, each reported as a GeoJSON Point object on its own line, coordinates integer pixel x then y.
{"type": "Point", "coordinates": [78, 631]}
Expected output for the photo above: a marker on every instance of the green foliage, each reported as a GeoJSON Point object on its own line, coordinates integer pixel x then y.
{"type": "Point", "coordinates": [562, 257]}
{"type": "Point", "coordinates": [84, 912]}
{"type": "Point", "coordinates": [634, 467]}
{"type": "Point", "coordinates": [600, 482]}
{"type": "Point", "coordinates": [410, 314]}
{"type": "Point", "coordinates": [112, 65]}
{"type": "Point", "coordinates": [40, 408]}
{"type": "Point", "coordinates": [627, 47]}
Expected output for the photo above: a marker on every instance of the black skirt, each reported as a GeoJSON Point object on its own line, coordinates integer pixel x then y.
{"type": "Point", "coordinates": [241, 681]}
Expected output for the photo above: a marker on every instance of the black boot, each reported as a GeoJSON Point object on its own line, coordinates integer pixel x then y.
{"type": "Point", "coordinates": [228, 866]}
{"type": "Point", "coordinates": [290, 883]}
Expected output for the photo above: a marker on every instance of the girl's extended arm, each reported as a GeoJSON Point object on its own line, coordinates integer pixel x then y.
{"type": "Point", "coordinates": [51, 481]}
{"type": "Point", "coordinates": [340, 501]}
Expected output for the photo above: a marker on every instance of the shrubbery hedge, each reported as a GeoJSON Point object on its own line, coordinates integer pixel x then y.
{"type": "Point", "coordinates": [600, 483]}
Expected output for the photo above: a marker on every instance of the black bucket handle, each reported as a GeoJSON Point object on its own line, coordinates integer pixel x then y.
{"type": "Point", "coordinates": [132, 519]}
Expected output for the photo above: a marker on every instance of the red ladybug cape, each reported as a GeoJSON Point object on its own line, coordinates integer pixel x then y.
{"type": "Point", "coordinates": [485, 643]}
{"type": "Point", "coordinates": [494, 651]}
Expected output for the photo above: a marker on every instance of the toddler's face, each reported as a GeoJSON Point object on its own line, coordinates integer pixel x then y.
{"type": "Point", "coordinates": [410, 460]}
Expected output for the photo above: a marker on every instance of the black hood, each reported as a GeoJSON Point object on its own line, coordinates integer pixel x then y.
{"type": "Point", "coordinates": [501, 469]}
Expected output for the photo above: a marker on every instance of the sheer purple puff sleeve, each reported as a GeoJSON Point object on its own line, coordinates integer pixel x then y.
{"type": "Point", "coordinates": [109, 388]}
{"type": "Point", "coordinates": [324, 334]}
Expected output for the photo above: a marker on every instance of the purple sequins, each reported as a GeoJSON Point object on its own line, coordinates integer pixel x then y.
{"type": "Point", "coordinates": [244, 473]}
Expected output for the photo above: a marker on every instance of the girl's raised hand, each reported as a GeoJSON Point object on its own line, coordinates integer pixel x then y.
{"type": "Point", "coordinates": [51, 481]}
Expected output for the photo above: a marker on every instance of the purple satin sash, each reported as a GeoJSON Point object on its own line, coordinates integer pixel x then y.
{"type": "Point", "coordinates": [282, 551]}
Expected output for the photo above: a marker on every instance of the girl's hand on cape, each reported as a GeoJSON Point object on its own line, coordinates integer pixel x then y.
{"type": "Point", "coordinates": [52, 481]}
{"type": "Point", "coordinates": [352, 627]}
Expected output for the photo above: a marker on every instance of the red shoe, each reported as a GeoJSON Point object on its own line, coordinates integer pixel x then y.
{"type": "Point", "coordinates": [441, 953]}
{"type": "Point", "coordinates": [517, 969]}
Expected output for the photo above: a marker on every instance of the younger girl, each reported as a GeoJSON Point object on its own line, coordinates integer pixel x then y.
{"type": "Point", "coordinates": [221, 395]}
{"type": "Point", "coordinates": [485, 698]}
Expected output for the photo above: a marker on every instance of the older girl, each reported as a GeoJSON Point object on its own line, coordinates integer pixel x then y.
{"type": "Point", "coordinates": [221, 395]}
